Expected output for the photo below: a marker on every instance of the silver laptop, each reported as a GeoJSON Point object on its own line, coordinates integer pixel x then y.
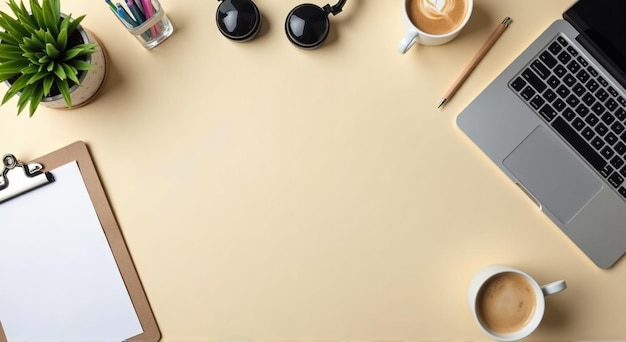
{"type": "Point", "coordinates": [554, 121]}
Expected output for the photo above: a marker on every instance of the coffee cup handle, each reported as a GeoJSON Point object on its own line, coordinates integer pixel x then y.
{"type": "Point", "coordinates": [409, 39]}
{"type": "Point", "coordinates": [553, 287]}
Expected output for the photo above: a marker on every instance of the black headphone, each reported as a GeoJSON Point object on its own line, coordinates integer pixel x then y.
{"type": "Point", "coordinates": [306, 26]}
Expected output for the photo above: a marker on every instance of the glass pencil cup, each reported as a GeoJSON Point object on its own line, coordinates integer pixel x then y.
{"type": "Point", "coordinates": [146, 20]}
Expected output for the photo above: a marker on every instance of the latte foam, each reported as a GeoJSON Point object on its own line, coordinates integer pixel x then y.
{"type": "Point", "coordinates": [437, 16]}
{"type": "Point", "coordinates": [506, 303]}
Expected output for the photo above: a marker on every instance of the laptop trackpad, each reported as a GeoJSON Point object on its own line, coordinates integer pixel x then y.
{"type": "Point", "coordinates": [552, 174]}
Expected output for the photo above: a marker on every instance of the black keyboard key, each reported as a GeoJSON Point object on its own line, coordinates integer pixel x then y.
{"type": "Point", "coordinates": [597, 143]}
{"type": "Point", "coordinates": [560, 70]}
{"type": "Point", "coordinates": [553, 81]}
{"type": "Point", "coordinates": [598, 108]}
{"type": "Point", "coordinates": [547, 112]}
{"type": "Point", "coordinates": [588, 99]}
{"type": "Point", "coordinates": [583, 76]}
{"type": "Point", "coordinates": [582, 61]}
{"type": "Point", "coordinates": [569, 80]}
{"type": "Point", "coordinates": [592, 120]}
{"type": "Point", "coordinates": [559, 105]}
{"type": "Point", "coordinates": [569, 114]}
{"type": "Point", "coordinates": [610, 104]}
{"type": "Point", "coordinates": [612, 91]}
{"type": "Point", "coordinates": [620, 148]}
{"type": "Point", "coordinates": [617, 127]}
{"type": "Point", "coordinates": [593, 72]}
{"type": "Point", "coordinates": [621, 100]}
{"type": "Point", "coordinates": [573, 67]}
{"type": "Point", "coordinates": [528, 93]}
{"type": "Point", "coordinates": [617, 162]}
{"type": "Point", "coordinates": [623, 171]}
{"type": "Point", "coordinates": [622, 191]}
{"type": "Point", "coordinates": [540, 69]}
{"type": "Point", "coordinates": [602, 81]}
{"type": "Point", "coordinates": [537, 102]}
{"type": "Point", "coordinates": [547, 59]}
{"type": "Point", "coordinates": [578, 89]}
{"type": "Point", "coordinates": [611, 138]}
{"type": "Point", "coordinates": [582, 110]}
{"type": "Point", "coordinates": [588, 133]}
{"type": "Point", "coordinates": [607, 152]}
{"type": "Point", "coordinates": [563, 91]}
{"type": "Point", "coordinates": [602, 95]}
{"type": "Point", "coordinates": [578, 143]}
{"type": "Point", "coordinates": [616, 180]}
{"type": "Point", "coordinates": [572, 51]}
{"type": "Point", "coordinates": [620, 114]}
{"type": "Point", "coordinates": [564, 57]}
{"type": "Point", "coordinates": [534, 80]}
{"type": "Point", "coordinates": [592, 85]}
{"type": "Point", "coordinates": [608, 118]}
{"type": "Point", "coordinates": [601, 129]}
{"type": "Point", "coordinates": [554, 48]}
{"type": "Point", "coordinates": [518, 84]}
{"type": "Point", "coordinates": [549, 95]}
{"type": "Point", "coordinates": [578, 124]}
{"type": "Point", "coordinates": [572, 100]}
{"type": "Point", "coordinates": [562, 41]}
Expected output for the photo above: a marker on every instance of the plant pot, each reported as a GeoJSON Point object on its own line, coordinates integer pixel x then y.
{"type": "Point", "coordinates": [90, 81]}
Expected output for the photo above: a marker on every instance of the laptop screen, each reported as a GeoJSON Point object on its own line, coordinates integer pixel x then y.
{"type": "Point", "coordinates": [602, 25]}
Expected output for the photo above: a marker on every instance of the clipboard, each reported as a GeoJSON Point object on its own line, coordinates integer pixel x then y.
{"type": "Point", "coordinates": [79, 152]}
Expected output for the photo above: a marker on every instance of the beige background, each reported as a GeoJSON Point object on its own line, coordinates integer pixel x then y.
{"type": "Point", "coordinates": [271, 193]}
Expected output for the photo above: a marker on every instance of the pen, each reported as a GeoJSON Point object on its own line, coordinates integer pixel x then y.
{"type": "Point", "coordinates": [111, 5]}
{"type": "Point", "coordinates": [139, 17]}
{"type": "Point", "coordinates": [139, 6]}
{"type": "Point", "coordinates": [125, 16]}
{"type": "Point", "coordinates": [474, 62]}
{"type": "Point", "coordinates": [147, 10]}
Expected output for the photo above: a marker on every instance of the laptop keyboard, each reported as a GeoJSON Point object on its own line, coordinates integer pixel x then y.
{"type": "Point", "coordinates": [589, 113]}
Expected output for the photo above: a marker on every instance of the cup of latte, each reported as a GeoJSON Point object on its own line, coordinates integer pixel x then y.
{"type": "Point", "coordinates": [508, 304]}
{"type": "Point", "coordinates": [433, 22]}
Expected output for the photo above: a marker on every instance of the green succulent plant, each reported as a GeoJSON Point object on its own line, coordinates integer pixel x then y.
{"type": "Point", "coordinates": [40, 55]}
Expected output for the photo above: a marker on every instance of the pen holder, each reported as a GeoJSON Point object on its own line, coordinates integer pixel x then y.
{"type": "Point", "coordinates": [146, 20]}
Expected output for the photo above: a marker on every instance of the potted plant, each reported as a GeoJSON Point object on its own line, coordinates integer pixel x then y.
{"type": "Point", "coordinates": [47, 57]}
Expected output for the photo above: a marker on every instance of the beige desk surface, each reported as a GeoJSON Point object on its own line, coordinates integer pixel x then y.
{"type": "Point", "coordinates": [268, 193]}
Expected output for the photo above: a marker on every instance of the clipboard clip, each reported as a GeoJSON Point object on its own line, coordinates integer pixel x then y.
{"type": "Point", "coordinates": [31, 177]}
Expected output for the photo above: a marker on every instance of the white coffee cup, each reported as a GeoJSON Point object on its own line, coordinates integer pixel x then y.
{"type": "Point", "coordinates": [416, 35]}
{"type": "Point", "coordinates": [495, 286]}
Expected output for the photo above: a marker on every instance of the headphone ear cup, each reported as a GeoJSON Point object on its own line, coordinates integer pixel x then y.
{"type": "Point", "coordinates": [307, 26]}
{"type": "Point", "coordinates": [239, 20]}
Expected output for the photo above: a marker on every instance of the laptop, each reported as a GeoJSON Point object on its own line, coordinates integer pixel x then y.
{"type": "Point", "coordinates": [555, 122]}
